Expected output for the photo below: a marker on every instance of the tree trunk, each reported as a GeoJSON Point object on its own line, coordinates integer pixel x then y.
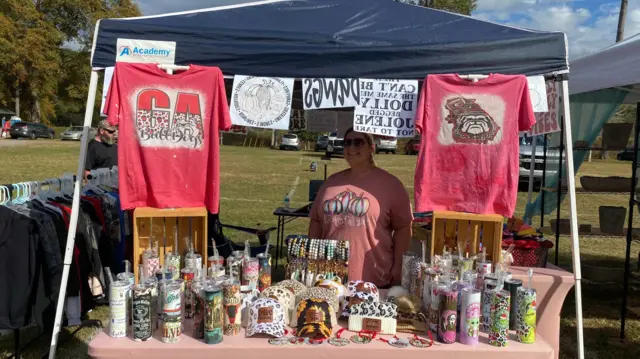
{"type": "Point", "coordinates": [17, 99]}
{"type": "Point", "coordinates": [622, 20]}
{"type": "Point", "coordinates": [36, 115]}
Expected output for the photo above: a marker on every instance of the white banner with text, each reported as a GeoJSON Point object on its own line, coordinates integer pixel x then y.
{"type": "Point", "coordinates": [386, 107]}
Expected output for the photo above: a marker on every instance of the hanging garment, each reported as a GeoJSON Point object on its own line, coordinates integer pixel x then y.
{"type": "Point", "coordinates": [169, 126]}
{"type": "Point", "coordinates": [469, 153]}
{"type": "Point", "coordinates": [19, 247]}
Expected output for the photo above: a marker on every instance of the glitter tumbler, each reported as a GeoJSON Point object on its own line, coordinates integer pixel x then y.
{"type": "Point", "coordinates": [172, 312]}
{"type": "Point", "coordinates": [499, 322]}
{"type": "Point", "coordinates": [512, 286]}
{"type": "Point", "coordinates": [250, 273]}
{"type": "Point", "coordinates": [214, 318]}
{"type": "Point", "coordinates": [118, 292]}
{"type": "Point", "coordinates": [264, 264]}
{"type": "Point", "coordinates": [470, 316]}
{"type": "Point", "coordinates": [448, 316]}
{"type": "Point", "coordinates": [526, 315]}
{"type": "Point", "coordinates": [232, 303]}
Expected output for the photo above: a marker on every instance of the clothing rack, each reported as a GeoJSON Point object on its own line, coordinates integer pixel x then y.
{"type": "Point", "coordinates": [22, 192]}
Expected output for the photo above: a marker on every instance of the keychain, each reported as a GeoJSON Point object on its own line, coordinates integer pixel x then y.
{"type": "Point", "coordinates": [396, 342]}
{"type": "Point", "coordinates": [361, 338]}
{"type": "Point", "coordinates": [421, 342]}
{"type": "Point", "coordinates": [279, 341]}
{"type": "Point", "coordinates": [337, 341]}
{"type": "Point", "coordinates": [314, 341]}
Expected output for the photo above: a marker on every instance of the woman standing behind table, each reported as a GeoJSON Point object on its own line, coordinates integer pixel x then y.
{"type": "Point", "coordinates": [370, 208]}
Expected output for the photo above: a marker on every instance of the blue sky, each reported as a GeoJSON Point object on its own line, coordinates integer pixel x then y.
{"type": "Point", "coordinates": [590, 25]}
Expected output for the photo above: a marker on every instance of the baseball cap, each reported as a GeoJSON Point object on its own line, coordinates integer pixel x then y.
{"type": "Point", "coordinates": [314, 318]}
{"type": "Point", "coordinates": [357, 298]}
{"type": "Point", "coordinates": [355, 286]}
{"type": "Point", "coordinates": [378, 317]}
{"type": "Point", "coordinates": [284, 297]}
{"type": "Point", "coordinates": [293, 285]}
{"type": "Point", "coordinates": [104, 124]}
{"type": "Point", "coordinates": [326, 294]}
{"type": "Point", "coordinates": [266, 316]}
{"type": "Point", "coordinates": [336, 285]}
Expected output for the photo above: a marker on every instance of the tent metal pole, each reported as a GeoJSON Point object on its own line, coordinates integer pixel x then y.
{"type": "Point", "coordinates": [75, 209]}
{"type": "Point", "coordinates": [573, 216]}
{"type": "Point", "coordinates": [543, 183]}
{"type": "Point", "coordinates": [532, 169]}
{"type": "Point", "coordinates": [563, 132]}
{"type": "Point", "coordinates": [632, 203]}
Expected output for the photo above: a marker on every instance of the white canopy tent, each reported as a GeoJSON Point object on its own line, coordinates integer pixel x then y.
{"type": "Point", "coordinates": [615, 67]}
{"type": "Point", "coordinates": [537, 63]}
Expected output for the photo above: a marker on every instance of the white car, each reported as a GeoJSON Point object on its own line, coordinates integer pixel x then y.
{"type": "Point", "coordinates": [386, 144]}
{"type": "Point", "coordinates": [553, 157]}
{"type": "Point", "coordinates": [290, 142]}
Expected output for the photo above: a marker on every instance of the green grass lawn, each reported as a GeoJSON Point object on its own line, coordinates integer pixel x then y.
{"type": "Point", "coordinates": [254, 182]}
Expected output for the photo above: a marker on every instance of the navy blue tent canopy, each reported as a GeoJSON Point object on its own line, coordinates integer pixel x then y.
{"type": "Point", "coordinates": [340, 38]}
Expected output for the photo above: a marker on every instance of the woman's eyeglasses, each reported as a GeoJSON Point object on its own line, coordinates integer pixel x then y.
{"type": "Point", "coordinates": [356, 142]}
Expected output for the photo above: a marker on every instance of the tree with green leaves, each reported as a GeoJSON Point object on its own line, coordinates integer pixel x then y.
{"type": "Point", "coordinates": [35, 70]}
{"type": "Point", "coordinates": [464, 7]}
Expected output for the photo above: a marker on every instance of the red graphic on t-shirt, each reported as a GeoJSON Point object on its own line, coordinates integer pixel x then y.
{"type": "Point", "coordinates": [156, 125]}
{"type": "Point", "coordinates": [471, 123]}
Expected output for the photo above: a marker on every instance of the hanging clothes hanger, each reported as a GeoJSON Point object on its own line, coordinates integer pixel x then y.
{"type": "Point", "coordinates": [48, 195]}
{"type": "Point", "coordinates": [473, 77]}
{"type": "Point", "coordinates": [92, 184]}
{"type": "Point", "coordinates": [15, 187]}
{"type": "Point", "coordinates": [3, 195]}
{"type": "Point", "coordinates": [171, 68]}
{"type": "Point", "coordinates": [26, 192]}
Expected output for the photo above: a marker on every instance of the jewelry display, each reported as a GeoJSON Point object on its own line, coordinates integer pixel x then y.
{"type": "Point", "coordinates": [307, 271]}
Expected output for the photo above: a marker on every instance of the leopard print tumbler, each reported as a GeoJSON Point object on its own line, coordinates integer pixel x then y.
{"type": "Point", "coordinates": [499, 314]}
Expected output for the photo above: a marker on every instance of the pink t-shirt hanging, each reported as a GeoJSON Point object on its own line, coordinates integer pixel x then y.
{"type": "Point", "coordinates": [469, 153]}
{"type": "Point", "coordinates": [168, 140]}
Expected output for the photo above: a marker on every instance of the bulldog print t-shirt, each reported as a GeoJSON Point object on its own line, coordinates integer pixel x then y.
{"type": "Point", "coordinates": [168, 135]}
{"type": "Point", "coordinates": [365, 212]}
{"type": "Point", "coordinates": [469, 153]}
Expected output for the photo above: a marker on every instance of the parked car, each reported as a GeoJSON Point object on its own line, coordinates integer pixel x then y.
{"type": "Point", "coordinates": [290, 141]}
{"type": "Point", "coordinates": [31, 130]}
{"type": "Point", "coordinates": [553, 157]}
{"type": "Point", "coordinates": [335, 147]}
{"type": "Point", "coordinates": [321, 143]}
{"type": "Point", "coordinates": [412, 147]}
{"type": "Point", "coordinates": [626, 155]}
{"type": "Point", "coordinates": [75, 134]}
{"type": "Point", "coordinates": [386, 144]}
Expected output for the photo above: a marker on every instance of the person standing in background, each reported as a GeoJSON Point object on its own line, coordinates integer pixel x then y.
{"type": "Point", "coordinates": [102, 151]}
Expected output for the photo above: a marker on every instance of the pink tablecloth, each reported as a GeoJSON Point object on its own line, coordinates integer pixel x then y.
{"type": "Point", "coordinates": [552, 285]}
{"type": "Point", "coordinates": [105, 347]}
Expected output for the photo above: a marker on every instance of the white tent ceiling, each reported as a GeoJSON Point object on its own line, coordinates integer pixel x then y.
{"type": "Point", "coordinates": [615, 66]}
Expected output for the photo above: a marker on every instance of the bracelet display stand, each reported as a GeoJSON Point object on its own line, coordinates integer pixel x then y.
{"type": "Point", "coordinates": [160, 225]}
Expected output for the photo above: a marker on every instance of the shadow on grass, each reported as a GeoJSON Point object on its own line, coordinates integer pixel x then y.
{"type": "Point", "coordinates": [601, 337]}
{"type": "Point", "coordinates": [615, 264]}
{"type": "Point", "coordinates": [602, 289]}
{"type": "Point", "coordinates": [34, 344]}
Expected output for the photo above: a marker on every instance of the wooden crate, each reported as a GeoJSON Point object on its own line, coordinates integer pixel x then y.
{"type": "Point", "coordinates": [450, 227]}
{"type": "Point", "coordinates": [421, 240]}
{"type": "Point", "coordinates": [160, 224]}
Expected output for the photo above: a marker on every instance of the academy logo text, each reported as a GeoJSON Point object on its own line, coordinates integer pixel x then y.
{"type": "Point", "coordinates": [142, 51]}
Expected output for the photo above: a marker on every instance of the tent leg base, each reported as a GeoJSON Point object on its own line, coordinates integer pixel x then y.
{"type": "Point", "coordinates": [620, 343]}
